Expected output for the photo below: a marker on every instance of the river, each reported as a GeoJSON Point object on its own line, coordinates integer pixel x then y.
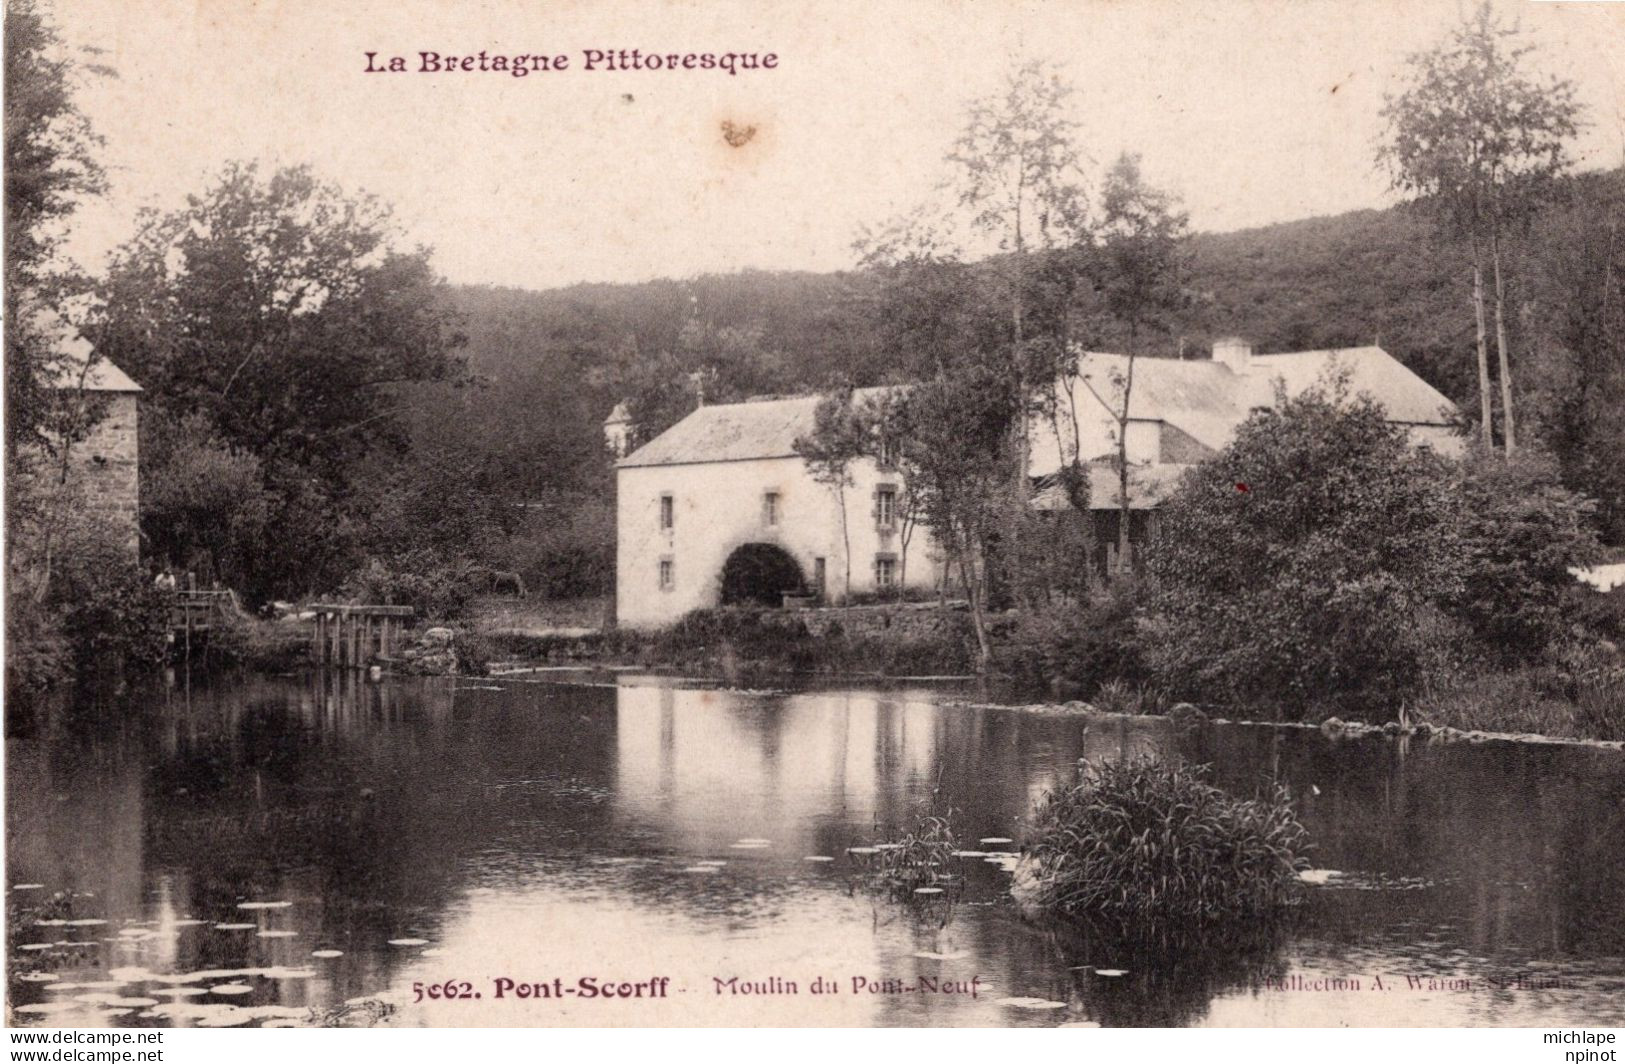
{"type": "Point", "coordinates": [258, 846]}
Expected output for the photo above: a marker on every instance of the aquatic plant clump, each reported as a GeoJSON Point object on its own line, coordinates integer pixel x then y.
{"type": "Point", "coordinates": [1144, 841]}
{"type": "Point", "coordinates": [918, 862]}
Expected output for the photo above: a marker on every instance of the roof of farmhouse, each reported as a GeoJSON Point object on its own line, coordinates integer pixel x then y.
{"type": "Point", "coordinates": [1206, 398]}
{"type": "Point", "coordinates": [82, 369]}
{"type": "Point", "coordinates": [734, 432]}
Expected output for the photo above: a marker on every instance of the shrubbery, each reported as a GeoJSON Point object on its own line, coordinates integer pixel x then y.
{"type": "Point", "coordinates": [111, 615]}
{"type": "Point", "coordinates": [1075, 648]}
{"type": "Point", "coordinates": [434, 586]}
{"type": "Point", "coordinates": [1142, 842]}
{"type": "Point", "coordinates": [1322, 564]}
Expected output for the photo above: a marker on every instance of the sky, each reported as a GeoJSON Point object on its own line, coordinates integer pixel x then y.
{"type": "Point", "coordinates": [1252, 112]}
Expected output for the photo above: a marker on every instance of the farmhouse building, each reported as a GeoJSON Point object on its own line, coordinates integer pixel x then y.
{"type": "Point", "coordinates": [103, 468]}
{"type": "Point", "coordinates": [720, 508]}
{"type": "Point", "coordinates": [1182, 411]}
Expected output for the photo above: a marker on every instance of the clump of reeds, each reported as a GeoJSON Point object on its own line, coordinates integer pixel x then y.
{"type": "Point", "coordinates": [921, 857]}
{"type": "Point", "coordinates": [1143, 841]}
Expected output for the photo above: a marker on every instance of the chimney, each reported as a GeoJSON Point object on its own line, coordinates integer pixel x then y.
{"type": "Point", "coordinates": [1233, 352]}
{"type": "Point", "coordinates": [697, 379]}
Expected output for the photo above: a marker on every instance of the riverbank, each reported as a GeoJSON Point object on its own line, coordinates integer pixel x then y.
{"type": "Point", "coordinates": [1046, 664]}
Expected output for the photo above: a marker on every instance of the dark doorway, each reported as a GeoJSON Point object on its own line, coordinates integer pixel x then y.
{"type": "Point", "coordinates": [759, 574]}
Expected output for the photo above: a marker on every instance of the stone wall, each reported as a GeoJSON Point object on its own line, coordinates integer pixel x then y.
{"type": "Point", "coordinates": [105, 468]}
{"type": "Point", "coordinates": [906, 621]}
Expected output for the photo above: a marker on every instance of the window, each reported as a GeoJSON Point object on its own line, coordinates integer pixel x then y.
{"type": "Point", "coordinates": [888, 452]}
{"type": "Point", "coordinates": [667, 574]}
{"type": "Point", "coordinates": [886, 507]}
{"type": "Point", "coordinates": [885, 570]}
{"type": "Point", "coordinates": [770, 508]}
{"type": "Point", "coordinates": [668, 511]}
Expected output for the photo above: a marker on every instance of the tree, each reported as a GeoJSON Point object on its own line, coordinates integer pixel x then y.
{"type": "Point", "coordinates": [1577, 324]}
{"type": "Point", "coordinates": [203, 503]}
{"type": "Point", "coordinates": [1017, 168]}
{"type": "Point", "coordinates": [279, 311]}
{"type": "Point", "coordinates": [1291, 592]}
{"type": "Point", "coordinates": [1322, 563]}
{"type": "Point", "coordinates": [50, 164]}
{"type": "Point", "coordinates": [839, 438]}
{"type": "Point", "coordinates": [954, 431]}
{"type": "Point", "coordinates": [1142, 263]}
{"type": "Point", "coordinates": [1481, 138]}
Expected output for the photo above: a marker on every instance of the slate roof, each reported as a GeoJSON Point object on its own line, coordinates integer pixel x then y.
{"type": "Point", "coordinates": [732, 432]}
{"type": "Point", "coordinates": [1202, 397]}
{"type": "Point", "coordinates": [102, 376]}
{"type": "Point", "coordinates": [1209, 400]}
{"type": "Point", "coordinates": [1148, 485]}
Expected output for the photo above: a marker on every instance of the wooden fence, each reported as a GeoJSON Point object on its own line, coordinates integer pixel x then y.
{"type": "Point", "coordinates": [351, 636]}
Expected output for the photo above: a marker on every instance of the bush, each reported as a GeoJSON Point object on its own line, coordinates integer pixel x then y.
{"type": "Point", "coordinates": [1141, 842]}
{"type": "Point", "coordinates": [566, 548]}
{"type": "Point", "coordinates": [112, 616]}
{"type": "Point", "coordinates": [37, 654]}
{"type": "Point", "coordinates": [1079, 647]}
{"type": "Point", "coordinates": [436, 587]}
{"type": "Point", "coordinates": [1322, 564]}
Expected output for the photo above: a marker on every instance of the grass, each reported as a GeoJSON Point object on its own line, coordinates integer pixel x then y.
{"type": "Point", "coordinates": [1586, 703]}
{"type": "Point", "coordinates": [1144, 843]}
{"type": "Point", "coordinates": [495, 614]}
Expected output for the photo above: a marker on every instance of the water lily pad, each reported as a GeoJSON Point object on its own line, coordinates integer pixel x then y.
{"type": "Point", "coordinates": [1111, 973]}
{"type": "Point", "coordinates": [408, 942]}
{"type": "Point", "coordinates": [35, 946]}
{"type": "Point", "coordinates": [264, 904]}
{"type": "Point", "coordinates": [50, 923]}
{"type": "Point", "coordinates": [817, 857]}
{"type": "Point", "coordinates": [928, 890]}
{"type": "Point", "coordinates": [231, 989]}
{"type": "Point", "coordinates": [1030, 1003]}
{"type": "Point", "coordinates": [89, 921]}
{"type": "Point", "coordinates": [433, 953]}
{"type": "Point", "coordinates": [179, 991]}
{"type": "Point", "coordinates": [756, 842]}
{"type": "Point", "coordinates": [861, 851]}
{"type": "Point", "coordinates": [235, 1018]}
{"type": "Point", "coordinates": [713, 864]}
{"type": "Point", "coordinates": [970, 853]}
{"type": "Point", "coordinates": [47, 1008]}
{"type": "Point", "coordinates": [235, 927]}
{"type": "Point", "coordinates": [702, 868]}
{"type": "Point", "coordinates": [130, 975]}
{"type": "Point", "coordinates": [287, 973]}
{"type": "Point", "coordinates": [996, 841]}
{"type": "Point", "coordinates": [276, 1012]}
{"type": "Point", "coordinates": [189, 922]}
{"type": "Point", "coordinates": [1318, 876]}
{"type": "Point", "coordinates": [38, 977]}
{"type": "Point", "coordinates": [279, 934]}
{"type": "Point", "coordinates": [326, 954]}
{"type": "Point", "coordinates": [28, 886]}
{"type": "Point", "coordinates": [115, 1001]}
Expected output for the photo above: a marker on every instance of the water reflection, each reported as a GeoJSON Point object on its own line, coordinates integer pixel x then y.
{"type": "Point", "coordinates": [534, 832]}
